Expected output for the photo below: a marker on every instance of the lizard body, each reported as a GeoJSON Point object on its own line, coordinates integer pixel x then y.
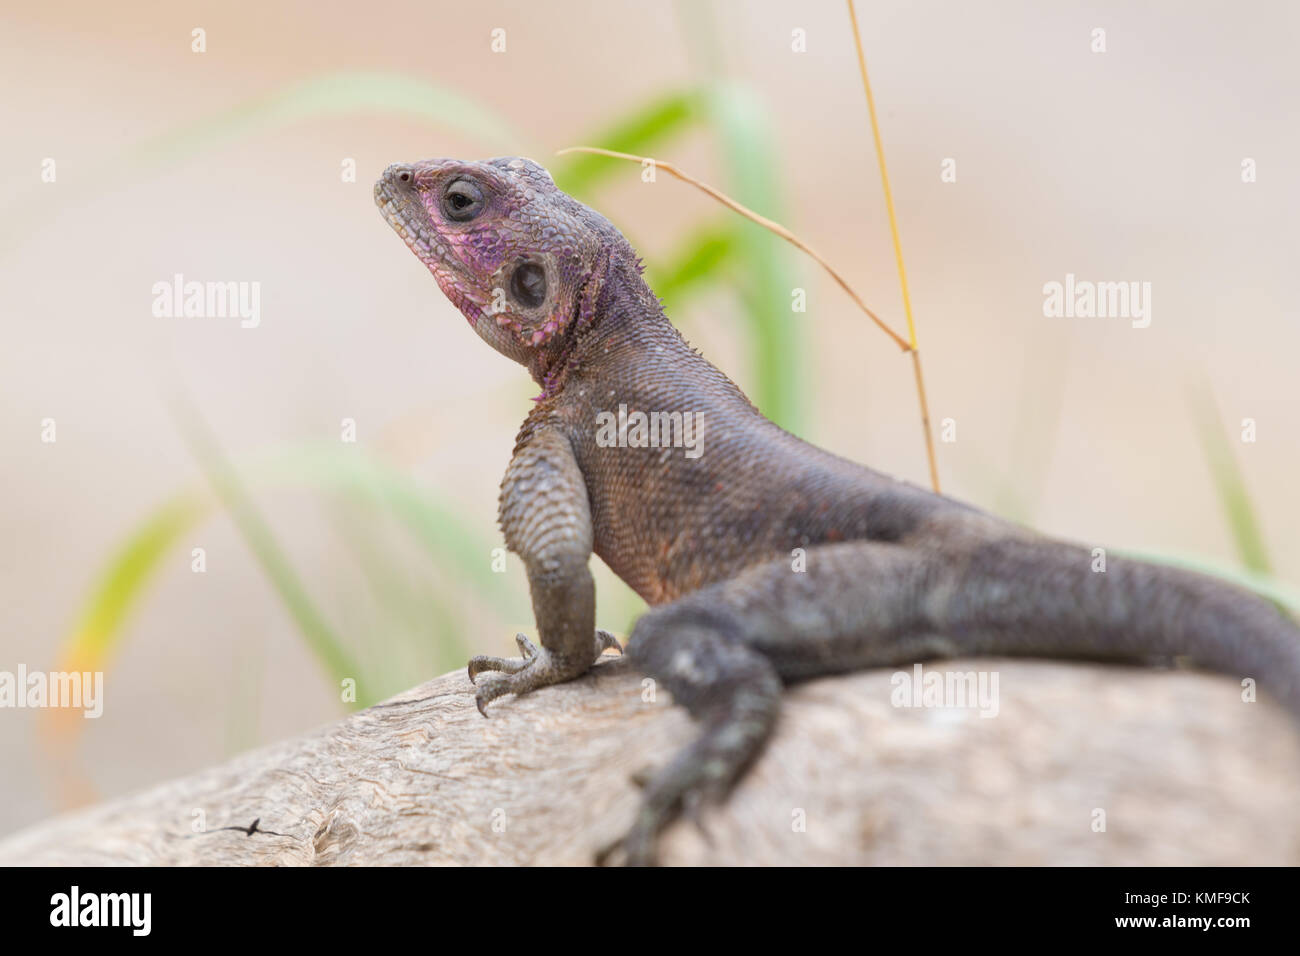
{"type": "Point", "coordinates": [892, 573]}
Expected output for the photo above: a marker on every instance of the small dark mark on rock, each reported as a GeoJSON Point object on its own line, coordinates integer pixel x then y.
{"type": "Point", "coordinates": [250, 829]}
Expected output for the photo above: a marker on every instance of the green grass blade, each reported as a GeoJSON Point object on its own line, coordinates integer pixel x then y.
{"type": "Point", "coordinates": [462, 555]}
{"type": "Point", "coordinates": [696, 263]}
{"type": "Point", "coordinates": [765, 282]}
{"type": "Point", "coordinates": [1264, 585]}
{"type": "Point", "coordinates": [465, 553]}
{"type": "Point", "coordinates": [333, 657]}
{"type": "Point", "coordinates": [423, 632]}
{"type": "Point", "coordinates": [1229, 482]}
{"type": "Point", "coordinates": [126, 575]}
{"type": "Point", "coordinates": [638, 132]}
{"type": "Point", "coordinates": [343, 93]}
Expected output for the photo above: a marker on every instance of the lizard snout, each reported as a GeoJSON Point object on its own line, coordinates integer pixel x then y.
{"type": "Point", "coordinates": [400, 177]}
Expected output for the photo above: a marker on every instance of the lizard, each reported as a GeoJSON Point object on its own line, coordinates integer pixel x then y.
{"type": "Point", "coordinates": [884, 573]}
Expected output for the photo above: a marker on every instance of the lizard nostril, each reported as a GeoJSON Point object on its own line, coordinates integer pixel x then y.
{"type": "Point", "coordinates": [401, 175]}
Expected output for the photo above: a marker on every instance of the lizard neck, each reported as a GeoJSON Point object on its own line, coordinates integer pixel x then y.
{"type": "Point", "coordinates": [625, 308]}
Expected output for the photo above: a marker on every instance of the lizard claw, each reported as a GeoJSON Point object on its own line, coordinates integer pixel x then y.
{"type": "Point", "coordinates": [605, 641]}
{"type": "Point", "coordinates": [634, 848]}
{"type": "Point", "coordinates": [641, 778]}
{"type": "Point", "coordinates": [537, 667]}
{"type": "Point", "coordinates": [686, 785]}
{"type": "Point", "coordinates": [508, 665]}
{"type": "Point", "coordinates": [526, 647]}
{"type": "Point", "coordinates": [490, 692]}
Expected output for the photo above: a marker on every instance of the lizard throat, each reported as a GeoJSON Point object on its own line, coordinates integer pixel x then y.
{"type": "Point", "coordinates": [554, 363]}
{"type": "Point", "coordinates": [429, 248]}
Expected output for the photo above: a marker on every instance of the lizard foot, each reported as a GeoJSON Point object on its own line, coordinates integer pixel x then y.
{"type": "Point", "coordinates": [735, 694]}
{"type": "Point", "coordinates": [538, 667]}
{"type": "Point", "coordinates": [681, 789]}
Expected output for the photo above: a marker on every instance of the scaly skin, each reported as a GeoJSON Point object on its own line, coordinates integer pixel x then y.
{"type": "Point", "coordinates": [893, 573]}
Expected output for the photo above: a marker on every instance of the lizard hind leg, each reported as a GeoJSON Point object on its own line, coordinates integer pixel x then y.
{"type": "Point", "coordinates": [732, 690]}
{"type": "Point", "coordinates": [724, 651]}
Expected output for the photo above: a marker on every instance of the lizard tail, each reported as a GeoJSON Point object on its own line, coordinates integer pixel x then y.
{"type": "Point", "coordinates": [1080, 603]}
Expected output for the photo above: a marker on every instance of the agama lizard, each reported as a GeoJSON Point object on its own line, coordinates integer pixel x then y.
{"type": "Point", "coordinates": [883, 572]}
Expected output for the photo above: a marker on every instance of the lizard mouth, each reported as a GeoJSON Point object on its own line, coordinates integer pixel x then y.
{"type": "Point", "coordinates": [406, 222]}
{"type": "Point", "coordinates": [411, 222]}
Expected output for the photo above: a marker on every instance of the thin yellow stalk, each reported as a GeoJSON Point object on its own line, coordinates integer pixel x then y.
{"type": "Point", "coordinates": [798, 243]}
{"type": "Point", "coordinates": [748, 213]}
{"type": "Point", "coordinates": [898, 253]}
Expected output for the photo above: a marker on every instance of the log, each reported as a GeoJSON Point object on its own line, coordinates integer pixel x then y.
{"type": "Point", "coordinates": [1182, 769]}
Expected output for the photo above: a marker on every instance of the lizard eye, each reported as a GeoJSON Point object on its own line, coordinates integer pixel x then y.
{"type": "Point", "coordinates": [528, 285]}
{"type": "Point", "coordinates": [462, 201]}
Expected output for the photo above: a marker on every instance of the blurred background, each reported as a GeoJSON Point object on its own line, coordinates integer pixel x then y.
{"type": "Point", "coordinates": [327, 559]}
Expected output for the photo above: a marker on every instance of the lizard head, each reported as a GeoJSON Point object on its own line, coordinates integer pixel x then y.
{"type": "Point", "coordinates": [523, 261]}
